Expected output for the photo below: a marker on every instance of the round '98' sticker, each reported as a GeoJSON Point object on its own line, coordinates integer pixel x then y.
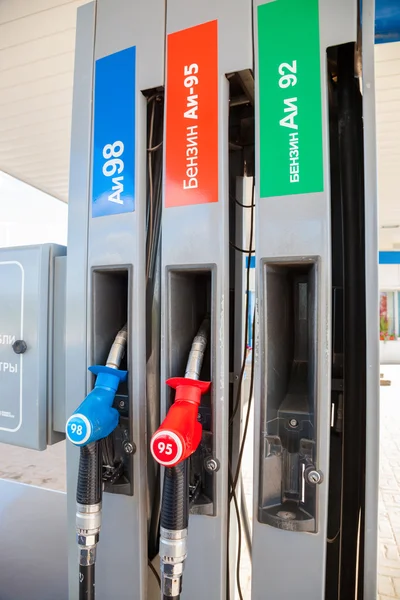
{"type": "Point", "coordinates": [78, 429]}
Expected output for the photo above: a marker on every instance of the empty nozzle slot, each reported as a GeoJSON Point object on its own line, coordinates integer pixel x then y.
{"type": "Point", "coordinates": [189, 302]}
{"type": "Point", "coordinates": [110, 301]}
{"type": "Point", "coordinates": [110, 311]}
{"type": "Point", "coordinates": [288, 438]}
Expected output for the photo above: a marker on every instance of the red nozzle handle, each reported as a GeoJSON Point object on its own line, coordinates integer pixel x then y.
{"type": "Point", "coordinates": [180, 433]}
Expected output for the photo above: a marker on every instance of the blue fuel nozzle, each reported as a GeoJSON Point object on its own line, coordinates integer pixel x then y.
{"type": "Point", "coordinates": [95, 418]}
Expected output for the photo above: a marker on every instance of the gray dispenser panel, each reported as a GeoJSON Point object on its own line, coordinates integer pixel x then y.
{"type": "Point", "coordinates": [30, 345]}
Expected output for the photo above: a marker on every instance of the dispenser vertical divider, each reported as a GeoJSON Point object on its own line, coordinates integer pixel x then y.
{"type": "Point", "coordinates": [293, 240]}
{"type": "Point", "coordinates": [108, 252]}
{"type": "Point", "coordinates": [205, 42]}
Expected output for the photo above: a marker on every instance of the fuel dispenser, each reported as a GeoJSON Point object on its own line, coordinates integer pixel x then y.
{"type": "Point", "coordinates": [213, 143]}
{"type": "Point", "coordinates": [238, 133]}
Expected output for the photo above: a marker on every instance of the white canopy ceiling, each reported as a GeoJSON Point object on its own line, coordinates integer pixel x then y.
{"type": "Point", "coordinates": [37, 42]}
{"type": "Point", "coordinates": [37, 39]}
{"type": "Point", "coordinates": [387, 73]}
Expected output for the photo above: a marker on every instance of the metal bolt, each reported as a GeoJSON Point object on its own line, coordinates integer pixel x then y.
{"type": "Point", "coordinates": [121, 403]}
{"type": "Point", "coordinates": [314, 476]}
{"type": "Point", "coordinates": [293, 423]}
{"type": "Point", "coordinates": [211, 464]}
{"type": "Point", "coordinates": [19, 347]}
{"type": "Point", "coordinates": [129, 448]}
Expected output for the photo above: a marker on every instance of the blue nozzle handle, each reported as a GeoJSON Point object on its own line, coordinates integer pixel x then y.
{"type": "Point", "coordinates": [95, 418]}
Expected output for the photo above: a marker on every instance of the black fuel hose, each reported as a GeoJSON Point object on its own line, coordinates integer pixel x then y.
{"type": "Point", "coordinates": [175, 502]}
{"type": "Point", "coordinates": [175, 498]}
{"type": "Point", "coordinates": [86, 582]}
{"type": "Point", "coordinates": [89, 493]}
{"type": "Point", "coordinates": [89, 485]}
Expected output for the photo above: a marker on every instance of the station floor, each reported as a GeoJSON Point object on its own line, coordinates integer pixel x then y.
{"type": "Point", "coordinates": [389, 486]}
{"type": "Point", "coordinates": [47, 469]}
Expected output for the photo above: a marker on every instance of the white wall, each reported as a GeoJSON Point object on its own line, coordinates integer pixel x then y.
{"type": "Point", "coordinates": [389, 353]}
{"type": "Point", "coordinates": [29, 216]}
{"type": "Point", "coordinates": [389, 279]}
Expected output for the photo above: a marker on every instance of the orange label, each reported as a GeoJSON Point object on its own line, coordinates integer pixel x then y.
{"type": "Point", "coordinates": [192, 116]}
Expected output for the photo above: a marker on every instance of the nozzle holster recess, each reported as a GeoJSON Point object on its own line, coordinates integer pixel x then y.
{"type": "Point", "coordinates": [180, 433]}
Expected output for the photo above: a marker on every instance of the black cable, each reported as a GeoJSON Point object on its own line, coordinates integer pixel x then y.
{"type": "Point", "coordinates": [232, 484]}
{"type": "Point", "coordinates": [154, 528]}
{"type": "Point", "coordinates": [233, 481]}
{"type": "Point", "coordinates": [239, 552]}
{"type": "Point", "coordinates": [154, 212]}
{"type": "Point", "coordinates": [154, 148]}
{"type": "Point", "coordinates": [117, 473]}
{"type": "Point", "coordinates": [154, 169]}
{"type": "Point", "coordinates": [245, 517]}
{"type": "Point", "coordinates": [86, 582]}
{"type": "Point", "coordinates": [151, 187]}
{"type": "Point", "coordinates": [109, 467]}
{"type": "Point", "coordinates": [228, 535]}
{"type": "Point", "coordinates": [241, 249]}
{"type": "Point", "coordinates": [156, 575]}
{"type": "Point", "coordinates": [246, 325]}
{"type": "Point", "coordinates": [249, 404]}
{"type": "Point", "coordinates": [195, 493]}
{"type": "Point", "coordinates": [232, 197]}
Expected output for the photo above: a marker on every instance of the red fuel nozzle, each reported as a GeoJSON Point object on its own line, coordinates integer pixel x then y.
{"type": "Point", "coordinates": [180, 433]}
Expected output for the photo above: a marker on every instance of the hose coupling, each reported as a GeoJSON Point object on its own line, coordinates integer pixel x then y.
{"type": "Point", "coordinates": [88, 523]}
{"type": "Point", "coordinates": [173, 552]}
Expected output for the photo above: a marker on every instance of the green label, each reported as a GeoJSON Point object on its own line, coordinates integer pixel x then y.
{"type": "Point", "coordinates": [289, 73]}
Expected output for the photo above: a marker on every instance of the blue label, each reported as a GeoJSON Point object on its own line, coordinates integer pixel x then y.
{"type": "Point", "coordinates": [250, 319]}
{"type": "Point", "coordinates": [78, 429]}
{"type": "Point", "coordinates": [389, 257]}
{"type": "Point", "coordinates": [387, 21]}
{"type": "Point", "coordinates": [252, 262]}
{"type": "Point", "coordinates": [113, 168]}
